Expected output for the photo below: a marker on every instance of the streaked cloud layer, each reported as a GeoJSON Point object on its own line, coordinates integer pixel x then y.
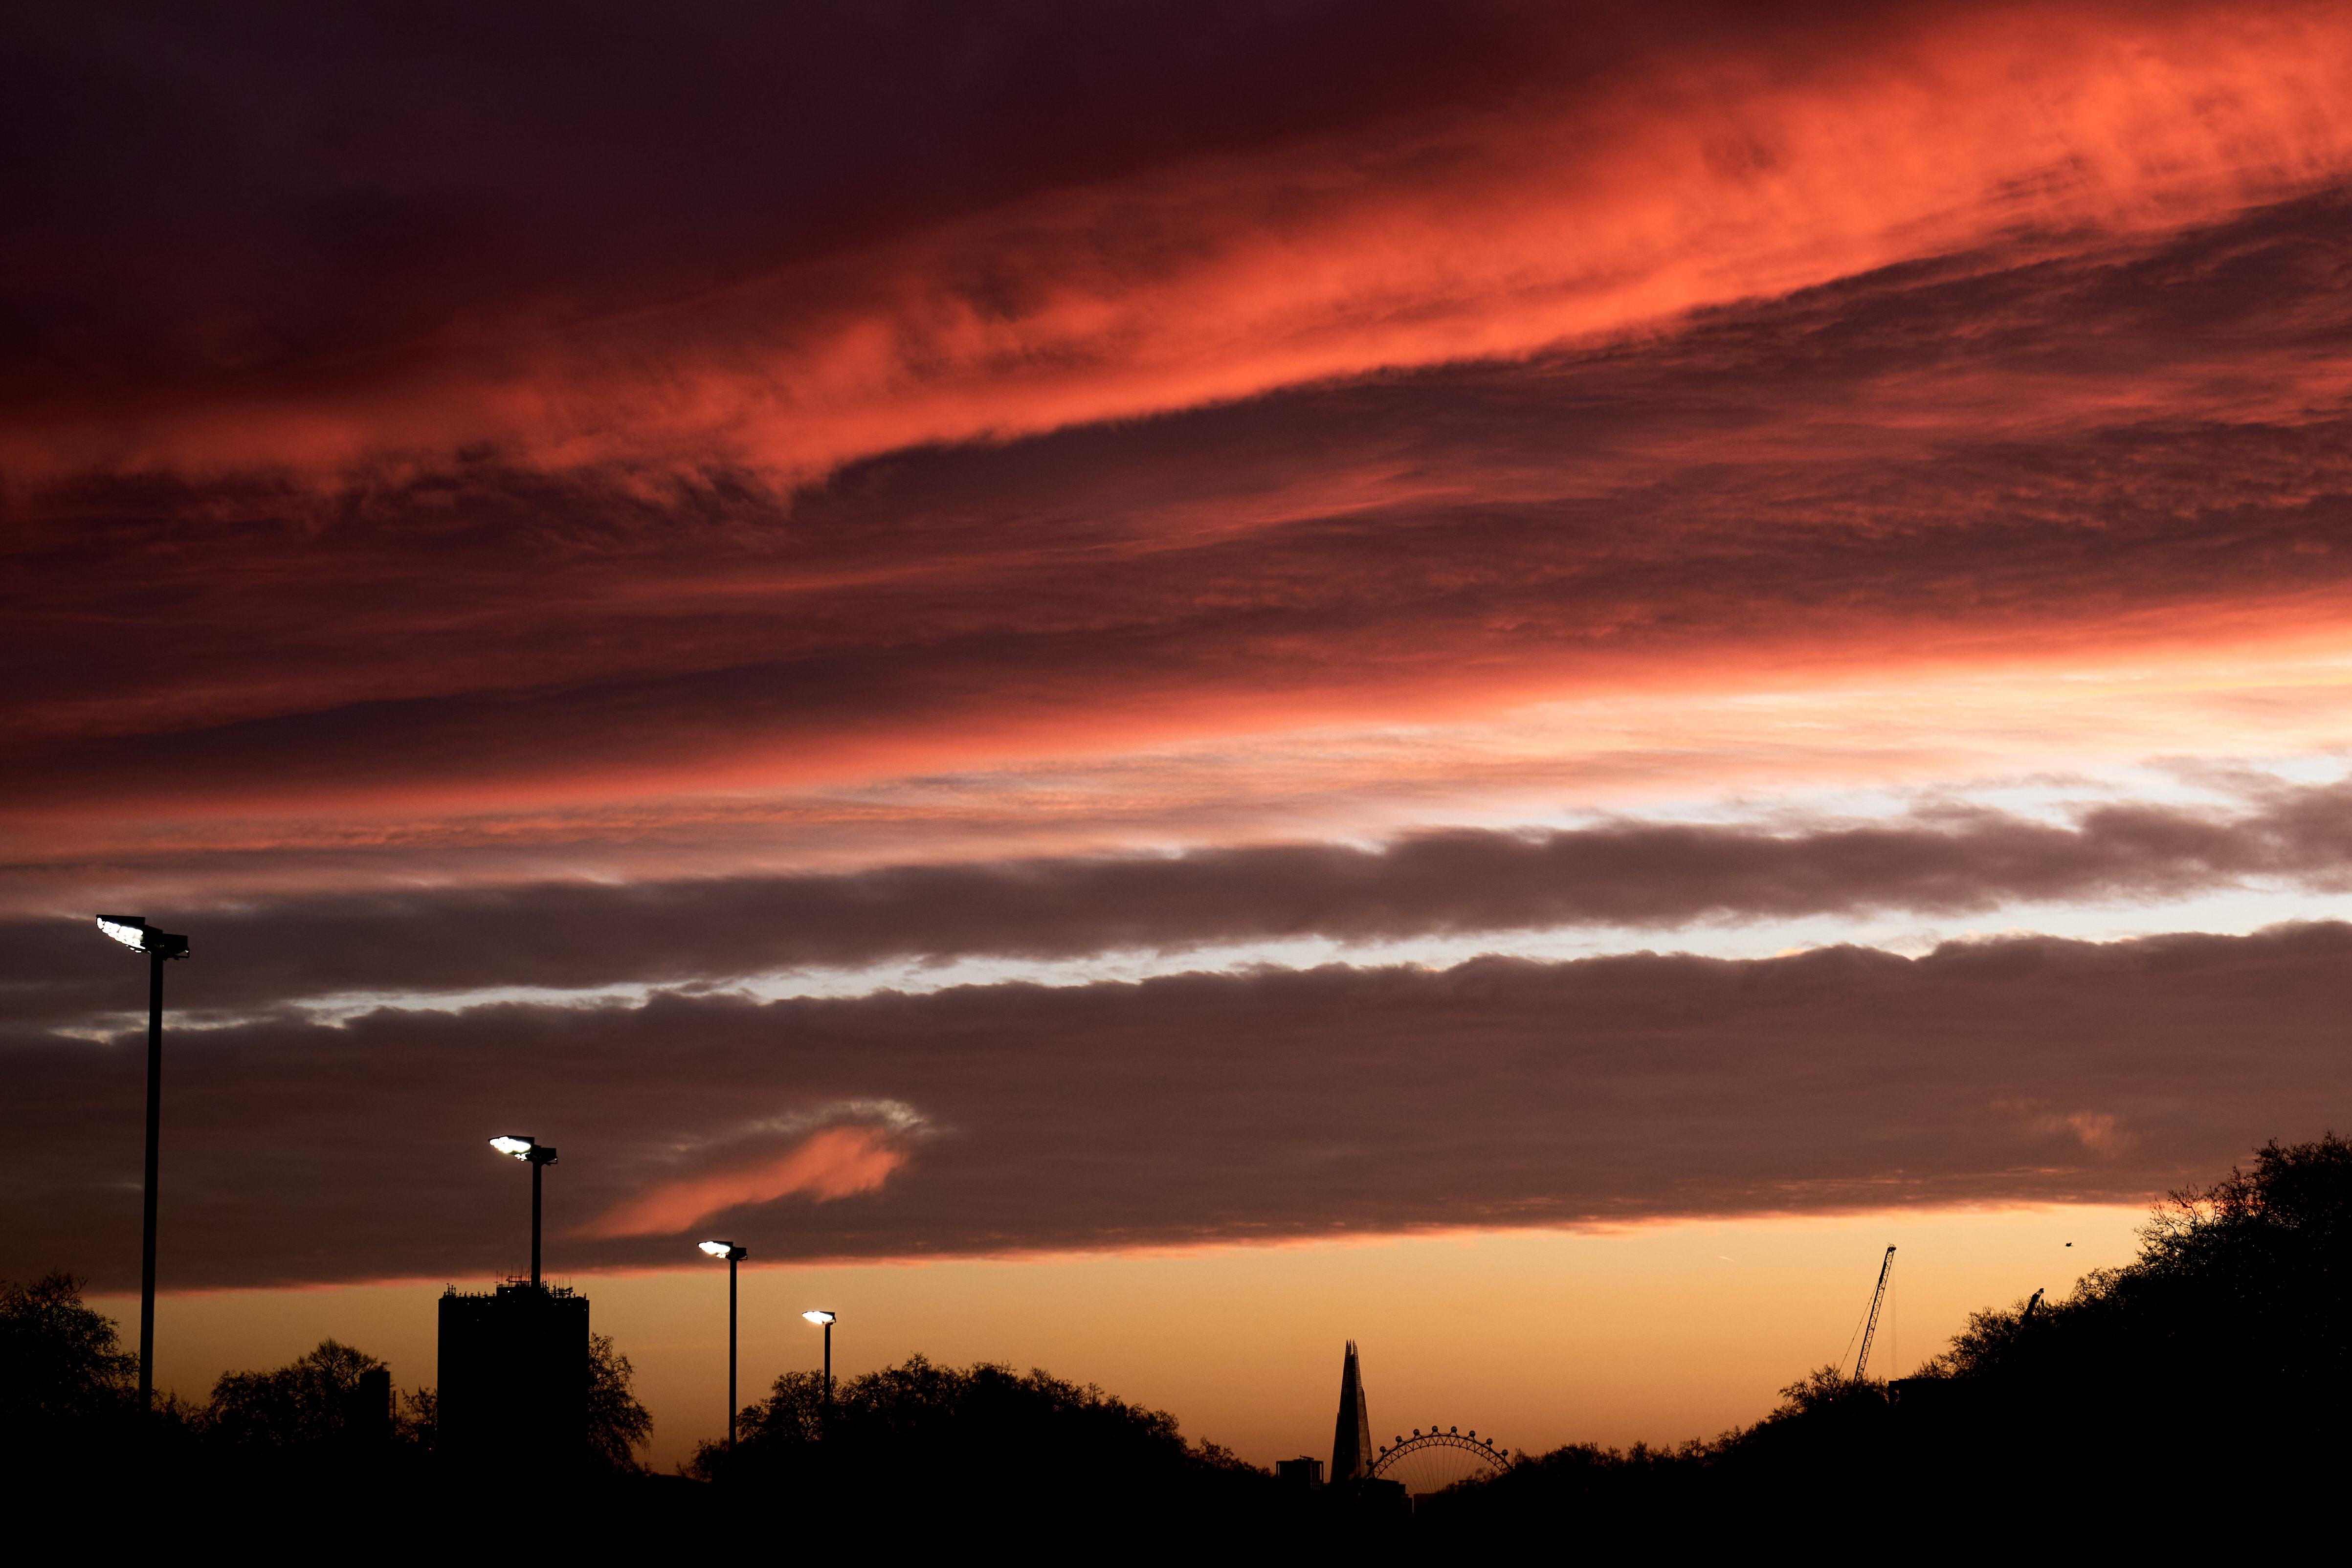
{"type": "Point", "coordinates": [798, 489]}
{"type": "Point", "coordinates": [1201, 1108]}
{"type": "Point", "coordinates": [1804, 491]}
{"type": "Point", "coordinates": [582, 937]}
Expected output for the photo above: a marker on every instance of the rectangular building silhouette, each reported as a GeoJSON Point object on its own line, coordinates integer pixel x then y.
{"type": "Point", "coordinates": [513, 1378]}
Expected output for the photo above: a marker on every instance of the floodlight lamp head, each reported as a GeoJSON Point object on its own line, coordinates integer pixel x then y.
{"type": "Point", "coordinates": [727, 1249]}
{"type": "Point", "coordinates": [508, 1144]}
{"type": "Point", "coordinates": [819, 1316]}
{"type": "Point", "coordinates": [132, 931]}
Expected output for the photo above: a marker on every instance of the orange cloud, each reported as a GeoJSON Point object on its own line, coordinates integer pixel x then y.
{"type": "Point", "coordinates": [835, 1162]}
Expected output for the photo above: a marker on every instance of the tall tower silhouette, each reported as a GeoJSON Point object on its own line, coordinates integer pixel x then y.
{"type": "Point", "coordinates": [1351, 1439]}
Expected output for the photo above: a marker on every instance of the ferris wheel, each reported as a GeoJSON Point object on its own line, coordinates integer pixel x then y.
{"type": "Point", "coordinates": [1433, 1461]}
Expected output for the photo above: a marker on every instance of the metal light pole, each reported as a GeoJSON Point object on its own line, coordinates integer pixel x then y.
{"type": "Point", "coordinates": [132, 931]}
{"type": "Point", "coordinates": [825, 1318]}
{"type": "Point", "coordinates": [734, 1255]}
{"type": "Point", "coordinates": [540, 1156]}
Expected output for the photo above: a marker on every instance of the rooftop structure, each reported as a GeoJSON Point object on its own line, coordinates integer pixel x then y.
{"type": "Point", "coordinates": [1305, 1472]}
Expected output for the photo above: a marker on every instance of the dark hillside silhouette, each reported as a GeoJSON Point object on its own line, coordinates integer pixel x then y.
{"type": "Point", "coordinates": [2201, 1388]}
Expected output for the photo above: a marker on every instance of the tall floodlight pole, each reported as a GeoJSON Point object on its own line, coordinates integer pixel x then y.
{"type": "Point", "coordinates": [540, 1156]}
{"type": "Point", "coordinates": [825, 1318]}
{"type": "Point", "coordinates": [132, 931]}
{"type": "Point", "coordinates": [734, 1255]}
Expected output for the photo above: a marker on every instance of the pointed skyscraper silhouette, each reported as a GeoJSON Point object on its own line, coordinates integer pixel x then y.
{"type": "Point", "coordinates": [1351, 1440]}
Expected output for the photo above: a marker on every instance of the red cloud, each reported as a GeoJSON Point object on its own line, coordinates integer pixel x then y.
{"type": "Point", "coordinates": [1625, 172]}
{"type": "Point", "coordinates": [835, 1163]}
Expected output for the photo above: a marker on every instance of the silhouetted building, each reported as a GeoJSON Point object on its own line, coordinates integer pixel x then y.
{"type": "Point", "coordinates": [1306, 1472]}
{"type": "Point", "coordinates": [514, 1377]}
{"type": "Point", "coordinates": [1351, 1440]}
{"type": "Point", "coordinates": [368, 1418]}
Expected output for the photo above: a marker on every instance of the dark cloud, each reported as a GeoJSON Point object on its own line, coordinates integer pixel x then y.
{"type": "Point", "coordinates": [261, 953]}
{"type": "Point", "coordinates": [1198, 1108]}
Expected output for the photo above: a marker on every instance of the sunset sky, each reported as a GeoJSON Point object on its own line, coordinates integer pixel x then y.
{"type": "Point", "coordinates": [1144, 686]}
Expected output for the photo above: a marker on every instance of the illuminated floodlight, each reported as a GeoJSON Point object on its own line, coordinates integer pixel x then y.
{"type": "Point", "coordinates": [539, 1156]}
{"type": "Point", "coordinates": [823, 1320]}
{"type": "Point", "coordinates": [132, 931]}
{"type": "Point", "coordinates": [733, 1254]}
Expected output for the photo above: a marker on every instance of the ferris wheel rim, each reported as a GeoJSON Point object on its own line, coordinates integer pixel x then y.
{"type": "Point", "coordinates": [1471, 1443]}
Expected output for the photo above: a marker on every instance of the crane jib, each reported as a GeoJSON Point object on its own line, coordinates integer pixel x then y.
{"type": "Point", "coordinates": [1877, 1297]}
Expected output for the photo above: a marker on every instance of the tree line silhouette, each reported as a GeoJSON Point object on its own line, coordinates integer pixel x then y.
{"type": "Point", "coordinates": [937, 1447]}
{"type": "Point", "coordinates": [281, 1452]}
{"type": "Point", "coordinates": [2204, 1380]}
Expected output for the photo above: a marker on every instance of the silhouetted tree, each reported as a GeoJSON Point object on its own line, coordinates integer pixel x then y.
{"type": "Point", "coordinates": [927, 1445]}
{"type": "Point", "coordinates": [310, 1404]}
{"type": "Point", "coordinates": [420, 1416]}
{"type": "Point", "coordinates": [72, 1429]}
{"type": "Point", "coordinates": [618, 1425]}
{"type": "Point", "coordinates": [59, 1359]}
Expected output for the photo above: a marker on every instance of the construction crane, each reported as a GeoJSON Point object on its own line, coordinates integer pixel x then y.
{"type": "Point", "coordinates": [1870, 1326]}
